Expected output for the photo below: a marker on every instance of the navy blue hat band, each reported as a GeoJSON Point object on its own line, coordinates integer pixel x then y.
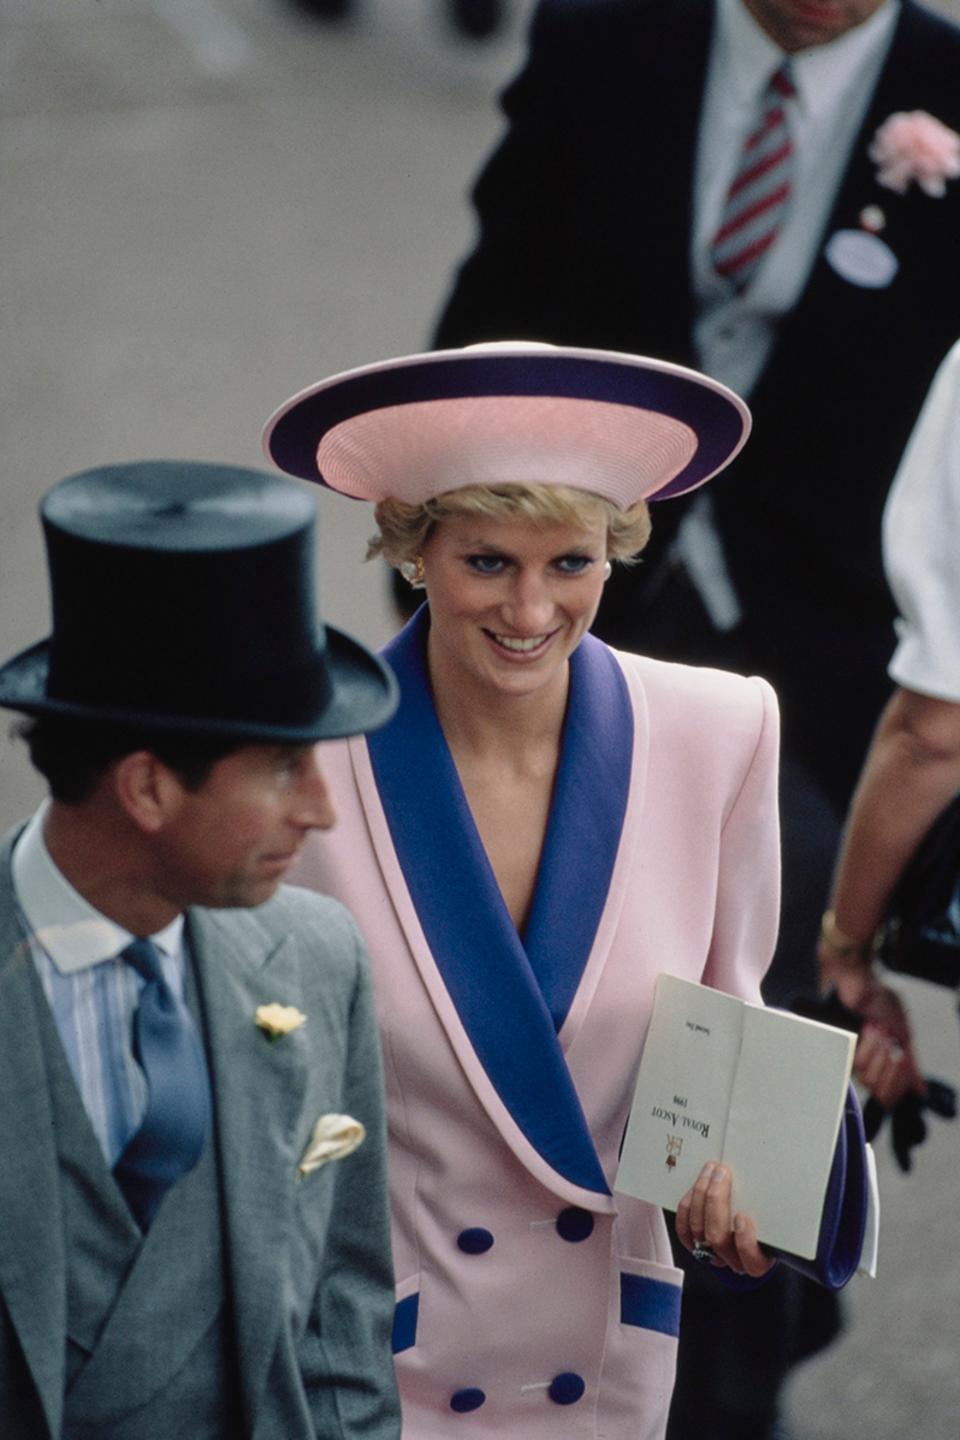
{"type": "Point", "coordinates": [678, 395]}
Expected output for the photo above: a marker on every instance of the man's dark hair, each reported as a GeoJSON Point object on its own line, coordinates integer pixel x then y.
{"type": "Point", "coordinates": [72, 755]}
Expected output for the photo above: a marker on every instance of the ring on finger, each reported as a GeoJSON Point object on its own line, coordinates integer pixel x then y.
{"type": "Point", "coordinates": [703, 1253]}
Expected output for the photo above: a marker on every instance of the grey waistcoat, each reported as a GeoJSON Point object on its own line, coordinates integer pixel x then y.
{"type": "Point", "coordinates": [149, 1347]}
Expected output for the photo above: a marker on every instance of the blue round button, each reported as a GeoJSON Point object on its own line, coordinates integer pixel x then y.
{"type": "Point", "coordinates": [574, 1224]}
{"type": "Point", "coordinates": [475, 1241]}
{"type": "Point", "coordinates": [463, 1401]}
{"type": "Point", "coordinates": [566, 1388]}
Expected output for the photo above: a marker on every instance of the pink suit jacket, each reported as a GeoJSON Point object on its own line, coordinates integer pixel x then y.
{"type": "Point", "coordinates": [532, 1300]}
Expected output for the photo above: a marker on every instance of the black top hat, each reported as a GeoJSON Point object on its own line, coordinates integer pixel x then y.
{"type": "Point", "coordinates": [183, 601]}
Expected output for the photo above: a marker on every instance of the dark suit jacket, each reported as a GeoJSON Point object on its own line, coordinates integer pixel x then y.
{"type": "Point", "coordinates": [308, 1260]}
{"type": "Point", "coordinates": [585, 213]}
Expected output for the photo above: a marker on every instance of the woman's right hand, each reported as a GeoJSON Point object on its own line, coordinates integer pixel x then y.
{"type": "Point", "coordinates": [884, 1060]}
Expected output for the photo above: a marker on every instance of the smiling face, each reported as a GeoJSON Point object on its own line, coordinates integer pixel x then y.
{"type": "Point", "coordinates": [801, 24]}
{"type": "Point", "coordinates": [510, 601]}
{"type": "Point", "coordinates": [230, 842]}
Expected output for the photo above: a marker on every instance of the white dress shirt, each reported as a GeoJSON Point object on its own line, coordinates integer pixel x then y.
{"type": "Point", "coordinates": [921, 526]}
{"type": "Point", "coordinates": [92, 992]}
{"type": "Point", "coordinates": [834, 84]}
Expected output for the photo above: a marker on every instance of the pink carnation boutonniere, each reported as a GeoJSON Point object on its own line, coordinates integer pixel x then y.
{"type": "Point", "coordinates": [915, 147]}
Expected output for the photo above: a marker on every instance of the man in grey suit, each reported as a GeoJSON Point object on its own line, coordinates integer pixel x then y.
{"type": "Point", "coordinates": [193, 1224]}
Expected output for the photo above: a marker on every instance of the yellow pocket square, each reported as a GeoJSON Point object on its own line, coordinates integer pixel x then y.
{"type": "Point", "coordinates": [334, 1136]}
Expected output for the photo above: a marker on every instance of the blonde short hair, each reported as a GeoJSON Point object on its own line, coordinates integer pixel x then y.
{"type": "Point", "coordinates": [404, 528]}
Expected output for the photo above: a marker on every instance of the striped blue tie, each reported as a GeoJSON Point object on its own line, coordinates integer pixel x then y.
{"type": "Point", "coordinates": [176, 1122]}
{"type": "Point", "coordinates": [756, 202]}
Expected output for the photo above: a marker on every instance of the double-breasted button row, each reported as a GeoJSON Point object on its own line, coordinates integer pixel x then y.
{"type": "Point", "coordinates": [564, 1389]}
{"type": "Point", "coordinates": [573, 1225]}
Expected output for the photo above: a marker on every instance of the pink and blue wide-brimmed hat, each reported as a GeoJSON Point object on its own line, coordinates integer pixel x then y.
{"type": "Point", "coordinates": [622, 426]}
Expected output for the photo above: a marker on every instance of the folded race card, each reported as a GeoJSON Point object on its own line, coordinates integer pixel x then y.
{"type": "Point", "coordinates": [763, 1091]}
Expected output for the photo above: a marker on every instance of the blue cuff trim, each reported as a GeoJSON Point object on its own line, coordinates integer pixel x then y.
{"type": "Point", "coordinates": [651, 1304]}
{"type": "Point", "coordinates": [405, 1323]}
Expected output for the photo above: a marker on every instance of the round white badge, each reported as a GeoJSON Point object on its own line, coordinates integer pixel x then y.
{"type": "Point", "coordinates": [862, 259]}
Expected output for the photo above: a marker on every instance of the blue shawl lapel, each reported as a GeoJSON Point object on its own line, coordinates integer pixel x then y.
{"type": "Point", "coordinates": [512, 996]}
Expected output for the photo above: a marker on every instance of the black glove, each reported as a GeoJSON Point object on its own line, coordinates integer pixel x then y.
{"type": "Point", "coordinates": [908, 1128]}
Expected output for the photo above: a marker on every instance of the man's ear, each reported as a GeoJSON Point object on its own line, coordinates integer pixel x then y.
{"type": "Point", "coordinates": [149, 792]}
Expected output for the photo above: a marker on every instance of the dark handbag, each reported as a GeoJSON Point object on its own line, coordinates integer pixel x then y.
{"type": "Point", "coordinates": [920, 934]}
{"type": "Point", "coordinates": [844, 1221]}
{"type": "Point", "coordinates": [843, 1224]}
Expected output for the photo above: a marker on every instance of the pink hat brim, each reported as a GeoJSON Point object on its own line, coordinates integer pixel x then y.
{"type": "Point", "coordinates": [622, 426]}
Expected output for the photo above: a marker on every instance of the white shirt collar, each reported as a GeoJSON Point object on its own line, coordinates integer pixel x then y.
{"type": "Point", "coordinates": [820, 74]}
{"type": "Point", "coordinates": [744, 50]}
{"type": "Point", "coordinates": [71, 931]}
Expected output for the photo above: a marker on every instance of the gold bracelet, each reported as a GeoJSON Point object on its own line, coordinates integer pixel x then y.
{"type": "Point", "coordinates": [845, 950]}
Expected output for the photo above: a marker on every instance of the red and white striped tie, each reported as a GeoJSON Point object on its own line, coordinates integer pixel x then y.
{"type": "Point", "coordinates": [756, 203]}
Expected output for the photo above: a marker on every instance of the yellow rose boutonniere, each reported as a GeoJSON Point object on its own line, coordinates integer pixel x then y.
{"type": "Point", "coordinates": [277, 1020]}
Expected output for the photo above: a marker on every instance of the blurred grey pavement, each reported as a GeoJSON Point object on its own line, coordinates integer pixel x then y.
{"type": "Point", "coordinates": [208, 204]}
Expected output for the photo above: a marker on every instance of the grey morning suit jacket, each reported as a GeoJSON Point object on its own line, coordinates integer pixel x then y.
{"type": "Point", "coordinates": [307, 1261]}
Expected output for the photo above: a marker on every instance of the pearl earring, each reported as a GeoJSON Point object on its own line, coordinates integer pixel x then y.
{"type": "Point", "coordinates": [607, 570]}
{"type": "Point", "coordinates": [413, 572]}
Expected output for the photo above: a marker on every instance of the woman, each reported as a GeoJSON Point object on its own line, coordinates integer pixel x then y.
{"type": "Point", "coordinates": [544, 827]}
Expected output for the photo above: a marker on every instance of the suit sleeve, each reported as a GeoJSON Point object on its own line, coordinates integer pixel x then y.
{"type": "Point", "coordinates": [346, 1359]}
{"type": "Point", "coordinates": [920, 527]}
{"type": "Point", "coordinates": [508, 287]}
{"type": "Point", "coordinates": [748, 877]}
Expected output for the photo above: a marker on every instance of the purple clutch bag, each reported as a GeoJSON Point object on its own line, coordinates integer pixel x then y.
{"type": "Point", "coordinates": [844, 1221]}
